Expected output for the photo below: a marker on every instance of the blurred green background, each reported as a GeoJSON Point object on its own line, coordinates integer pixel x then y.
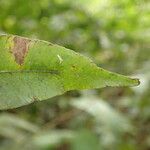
{"type": "Point", "coordinates": [115, 34]}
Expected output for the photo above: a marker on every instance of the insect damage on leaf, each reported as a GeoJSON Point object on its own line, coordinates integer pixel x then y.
{"type": "Point", "coordinates": [20, 49]}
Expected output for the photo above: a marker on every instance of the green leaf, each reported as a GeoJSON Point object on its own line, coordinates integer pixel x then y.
{"type": "Point", "coordinates": [35, 70]}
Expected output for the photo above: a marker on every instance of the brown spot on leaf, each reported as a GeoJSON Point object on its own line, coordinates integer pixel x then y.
{"type": "Point", "coordinates": [34, 99]}
{"type": "Point", "coordinates": [20, 49]}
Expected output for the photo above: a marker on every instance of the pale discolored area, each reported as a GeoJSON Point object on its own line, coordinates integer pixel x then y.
{"type": "Point", "coordinates": [24, 88]}
{"type": "Point", "coordinates": [34, 72]}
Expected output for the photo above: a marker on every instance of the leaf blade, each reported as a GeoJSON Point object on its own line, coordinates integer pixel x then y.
{"type": "Point", "coordinates": [32, 70]}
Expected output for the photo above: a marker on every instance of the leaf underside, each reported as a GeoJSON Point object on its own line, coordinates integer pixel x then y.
{"type": "Point", "coordinates": [34, 70]}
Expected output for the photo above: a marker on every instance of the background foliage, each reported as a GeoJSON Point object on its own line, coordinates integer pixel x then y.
{"type": "Point", "coordinates": [115, 34]}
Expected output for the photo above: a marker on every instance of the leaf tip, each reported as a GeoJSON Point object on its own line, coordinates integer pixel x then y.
{"type": "Point", "coordinates": [136, 82]}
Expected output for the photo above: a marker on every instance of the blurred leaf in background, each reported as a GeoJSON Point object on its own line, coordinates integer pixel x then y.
{"type": "Point", "coordinates": [115, 34]}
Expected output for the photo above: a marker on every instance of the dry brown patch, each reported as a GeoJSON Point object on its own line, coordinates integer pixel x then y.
{"type": "Point", "coordinates": [20, 49]}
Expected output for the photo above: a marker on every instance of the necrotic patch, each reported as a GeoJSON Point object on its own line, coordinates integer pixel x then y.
{"type": "Point", "coordinates": [20, 49]}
